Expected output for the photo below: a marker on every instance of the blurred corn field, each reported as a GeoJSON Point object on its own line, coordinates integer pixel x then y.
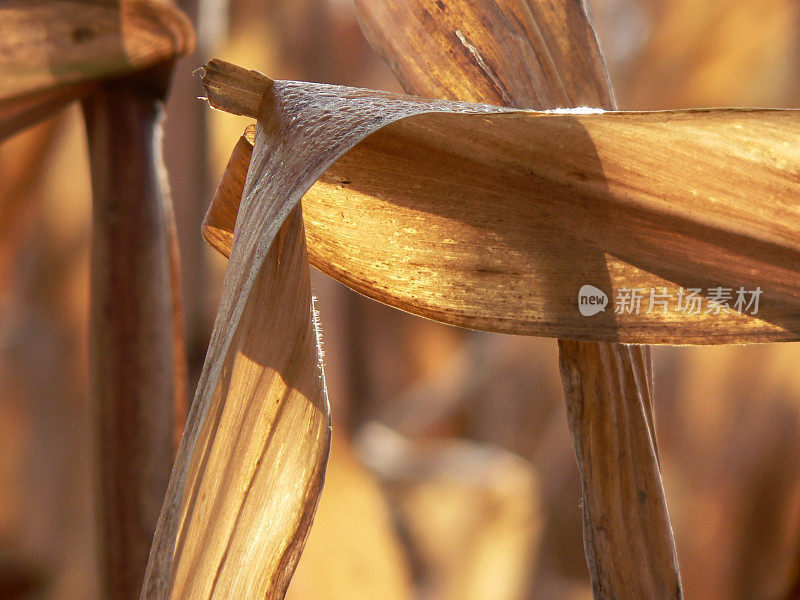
{"type": "Point", "coordinates": [452, 473]}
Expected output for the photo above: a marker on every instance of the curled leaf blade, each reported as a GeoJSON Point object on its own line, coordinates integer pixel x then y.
{"type": "Point", "coordinates": [464, 206]}
{"type": "Point", "coordinates": [252, 461]}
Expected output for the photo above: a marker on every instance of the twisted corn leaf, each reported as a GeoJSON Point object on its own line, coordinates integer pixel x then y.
{"type": "Point", "coordinates": [494, 219]}
{"type": "Point", "coordinates": [251, 464]}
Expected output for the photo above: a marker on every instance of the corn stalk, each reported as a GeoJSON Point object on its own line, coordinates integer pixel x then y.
{"type": "Point", "coordinates": [116, 56]}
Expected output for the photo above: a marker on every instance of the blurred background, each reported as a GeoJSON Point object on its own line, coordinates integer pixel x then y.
{"type": "Point", "coordinates": [452, 473]}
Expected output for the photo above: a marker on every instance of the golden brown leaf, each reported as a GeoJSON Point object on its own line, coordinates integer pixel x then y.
{"type": "Point", "coordinates": [616, 573]}
{"type": "Point", "coordinates": [539, 92]}
{"type": "Point", "coordinates": [609, 398]}
{"type": "Point", "coordinates": [252, 461]}
{"type": "Point", "coordinates": [495, 220]}
{"type": "Point", "coordinates": [505, 52]}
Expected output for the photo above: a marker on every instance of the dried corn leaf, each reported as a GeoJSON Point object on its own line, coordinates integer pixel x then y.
{"type": "Point", "coordinates": [504, 52]}
{"type": "Point", "coordinates": [251, 464]}
{"type": "Point", "coordinates": [494, 219]}
{"type": "Point", "coordinates": [47, 45]}
{"type": "Point", "coordinates": [609, 403]}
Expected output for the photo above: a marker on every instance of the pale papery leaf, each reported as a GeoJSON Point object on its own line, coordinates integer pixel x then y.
{"type": "Point", "coordinates": [251, 464]}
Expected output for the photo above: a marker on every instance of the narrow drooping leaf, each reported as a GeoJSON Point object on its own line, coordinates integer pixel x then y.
{"type": "Point", "coordinates": [252, 461]}
{"type": "Point", "coordinates": [496, 219]}
{"type": "Point", "coordinates": [372, 553]}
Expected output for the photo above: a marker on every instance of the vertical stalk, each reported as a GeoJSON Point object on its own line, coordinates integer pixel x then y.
{"type": "Point", "coordinates": [627, 534]}
{"type": "Point", "coordinates": [135, 338]}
